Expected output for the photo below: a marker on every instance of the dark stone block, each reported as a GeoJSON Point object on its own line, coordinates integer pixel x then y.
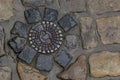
{"type": "Point", "coordinates": [63, 59]}
{"type": "Point", "coordinates": [27, 54]}
{"type": "Point", "coordinates": [17, 44]}
{"type": "Point", "coordinates": [50, 14]}
{"type": "Point", "coordinates": [20, 29]}
{"type": "Point", "coordinates": [44, 62]}
{"type": "Point", "coordinates": [33, 15]}
{"type": "Point", "coordinates": [67, 22]}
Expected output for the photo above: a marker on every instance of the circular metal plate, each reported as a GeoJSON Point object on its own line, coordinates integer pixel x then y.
{"type": "Point", "coordinates": [45, 37]}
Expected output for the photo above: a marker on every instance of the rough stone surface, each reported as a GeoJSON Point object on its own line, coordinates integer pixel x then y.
{"type": "Point", "coordinates": [20, 29]}
{"type": "Point", "coordinates": [63, 59]}
{"type": "Point", "coordinates": [50, 14]}
{"type": "Point", "coordinates": [77, 71]}
{"type": "Point", "coordinates": [28, 73]}
{"type": "Point", "coordinates": [109, 29]}
{"type": "Point", "coordinates": [6, 9]}
{"type": "Point", "coordinates": [88, 33]}
{"type": "Point", "coordinates": [10, 59]}
{"type": "Point", "coordinates": [67, 22]}
{"type": "Point", "coordinates": [102, 6]}
{"type": "Point", "coordinates": [34, 2]}
{"type": "Point", "coordinates": [27, 54]}
{"type": "Point", "coordinates": [33, 15]}
{"type": "Point", "coordinates": [5, 73]}
{"type": "Point", "coordinates": [73, 5]}
{"type": "Point", "coordinates": [71, 41]}
{"type": "Point", "coordinates": [105, 64]}
{"type": "Point", "coordinates": [45, 62]}
{"type": "Point", "coordinates": [17, 44]}
{"type": "Point", "coordinates": [2, 38]}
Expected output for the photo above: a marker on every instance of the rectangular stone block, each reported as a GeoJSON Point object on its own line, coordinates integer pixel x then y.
{"type": "Point", "coordinates": [103, 6]}
{"type": "Point", "coordinates": [27, 54]}
{"type": "Point", "coordinates": [44, 62]}
{"type": "Point", "coordinates": [67, 22]}
{"type": "Point", "coordinates": [105, 64]}
{"type": "Point", "coordinates": [88, 33]}
{"type": "Point", "coordinates": [73, 5]}
{"type": "Point", "coordinates": [109, 29]}
{"type": "Point", "coordinates": [32, 15]}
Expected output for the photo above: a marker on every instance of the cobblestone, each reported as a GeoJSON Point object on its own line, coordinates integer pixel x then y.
{"type": "Point", "coordinates": [27, 54]}
{"type": "Point", "coordinates": [44, 62]}
{"type": "Point", "coordinates": [67, 22]}
{"type": "Point", "coordinates": [109, 29]}
{"type": "Point", "coordinates": [88, 33]}
{"type": "Point", "coordinates": [33, 15]}
{"type": "Point", "coordinates": [72, 31]}
{"type": "Point", "coordinates": [20, 29]}
{"type": "Point", "coordinates": [50, 14]}
{"type": "Point", "coordinates": [71, 41]}
{"type": "Point", "coordinates": [17, 44]}
{"type": "Point", "coordinates": [63, 59]}
{"type": "Point", "coordinates": [104, 64]}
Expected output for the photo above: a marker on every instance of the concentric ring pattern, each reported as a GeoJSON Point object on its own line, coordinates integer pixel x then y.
{"type": "Point", "coordinates": [45, 37]}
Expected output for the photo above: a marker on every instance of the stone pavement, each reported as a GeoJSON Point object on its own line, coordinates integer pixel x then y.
{"type": "Point", "coordinates": [59, 40]}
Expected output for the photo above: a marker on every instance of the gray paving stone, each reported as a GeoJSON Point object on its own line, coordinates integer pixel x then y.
{"type": "Point", "coordinates": [17, 44]}
{"type": "Point", "coordinates": [27, 54]}
{"type": "Point", "coordinates": [63, 59]}
{"type": "Point", "coordinates": [20, 29]}
{"type": "Point", "coordinates": [33, 15]}
{"type": "Point", "coordinates": [67, 22]}
{"type": "Point", "coordinates": [50, 14]}
{"type": "Point", "coordinates": [88, 33]}
{"type": "Point", "coordinates": [44, 62]}
{"type": "Point", "coordinates": [71, 41]}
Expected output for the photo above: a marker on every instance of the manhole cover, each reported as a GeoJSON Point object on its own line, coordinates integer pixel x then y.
{"type": "Point", "coordinates": [45, 37]}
